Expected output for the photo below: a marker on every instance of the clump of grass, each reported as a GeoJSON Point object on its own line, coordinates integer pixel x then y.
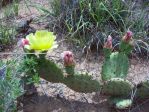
{"type": "Point", "coordinates": [139, 23]}
{"type": "Point", "coordinates": [9, 8]}
{"type": "Point", "coordinates": [7, 35]}
{"type": "Point", "coordinates": [89, 22]}
{"type": "Point", "coordinates": [10, 85]}
{"type": "Point", "coordinates": [7, 26]}
{"type": "Point", "coordinates": [81, 17]}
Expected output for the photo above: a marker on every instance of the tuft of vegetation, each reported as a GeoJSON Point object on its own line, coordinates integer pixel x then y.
{"type": "Point", "coordinates": [28, 66]}
{"type": "Point", "coordinates": [7, 26]}
{"type": "Point", "coordinates": [9, 7]}
{"type": "Point", "coordinates": [88, 22]}
{"type": "Point", "coordinates": [10, 85]}
{"type": "Point", "coordinates": [82, 18]}
{"type": "Point", "coordinates": [7, 35]}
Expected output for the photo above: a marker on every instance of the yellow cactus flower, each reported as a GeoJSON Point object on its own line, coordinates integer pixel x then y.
{"type": "Point", "coordinates": [41, 41]}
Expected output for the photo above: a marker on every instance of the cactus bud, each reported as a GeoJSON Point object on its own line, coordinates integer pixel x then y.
{"type": "Point", "coordinates": [127, 43]}
{"type": "Point", "coordinates": [23, 42]}
{"type": "Point", "coordinates": [69, 62]}
{"type": "Point", "coordinates": [68, 58]}
{"type": "Point", "coordinates": [108, 44]}
{"type": "Point", "coordinates": [127, 37]}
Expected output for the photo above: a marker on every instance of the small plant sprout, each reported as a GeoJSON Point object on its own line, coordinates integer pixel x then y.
{"type": "Point", "coordinates": [41, 41]}
{"type": "Point", "coordinates": [68, 58]}
{"type": "Point", "coordinates": [108, 43]}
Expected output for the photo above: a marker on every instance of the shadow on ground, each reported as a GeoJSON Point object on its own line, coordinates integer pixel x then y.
{"type": "Point", "coordinates": [44, 103]}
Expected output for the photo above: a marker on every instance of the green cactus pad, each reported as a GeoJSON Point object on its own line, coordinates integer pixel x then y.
{"type": "Point", "coordinates": [107, 52]}
{"type": "Point", "coordinates": [125, 47]}
{"type": "Point", "coordinates": [120, 102]}
{"type": "Point", "coordinates": [50, 71]}
{"type": "Point", "coordinates": [82, 83]}
{"type": "Point", "coordinates": [143, 90]}
{"type": "Point", "coordinates": [70, 70]}
{"type": "Point", "coordinates": [117, 87]}
{"type": "Point", "coordinates": [115, 66]}
{"type": "Point", "coordinates": [123, 104]}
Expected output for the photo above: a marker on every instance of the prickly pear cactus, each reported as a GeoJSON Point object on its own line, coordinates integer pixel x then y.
{"type": "Point", "coordinates": [51, 72]}
{"type": "Point", "coordinates": [143, 90]}
{"type": "Point", "coordinates": [117, 87]}
{"type": "Point", "coordinates": [115, 70]}
{"type": "Point", "coordinates": [115, 66]}
{"type": "Point", "coordinates": [42, 41]}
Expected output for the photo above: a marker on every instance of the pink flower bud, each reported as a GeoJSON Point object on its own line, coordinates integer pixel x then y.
{"type": "Point", "coordinates": [128, 36]}
{"type": "Point", "coordinates": [108, 44]}
{"type": "Point", "coordinates": [23, 42]}
{"type": "Point", "coordinates": [68, 58]}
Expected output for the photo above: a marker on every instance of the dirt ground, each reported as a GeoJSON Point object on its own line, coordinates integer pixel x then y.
{"type": "Point", "coordinates": [57, 97]}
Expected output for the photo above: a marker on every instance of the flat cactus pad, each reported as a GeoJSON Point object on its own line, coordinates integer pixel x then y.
{"type": "Point", "coordinates": [115, 66]}
{"type": "Point", "coordinates": [117, 87]}
{"type": "Point", "coordinates": [143, 90]}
